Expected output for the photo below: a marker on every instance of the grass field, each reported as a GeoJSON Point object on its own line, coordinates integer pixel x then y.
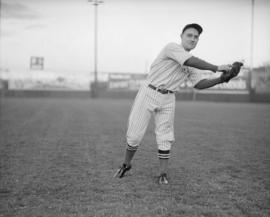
{"type": "Point", "coordinates": [57, 158]}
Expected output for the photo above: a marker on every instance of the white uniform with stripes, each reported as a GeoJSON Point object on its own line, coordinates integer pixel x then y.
{"type": "Point", "coordinates": [167, 72]}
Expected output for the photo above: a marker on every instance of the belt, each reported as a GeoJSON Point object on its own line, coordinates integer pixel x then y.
{"type": "Point", "coordinates": [163, 91]}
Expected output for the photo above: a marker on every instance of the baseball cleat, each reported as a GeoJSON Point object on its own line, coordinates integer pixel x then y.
{"type": "Point", "coordinates": [121, 171]}
{"type": "Point", "coordinates": [162, 179]}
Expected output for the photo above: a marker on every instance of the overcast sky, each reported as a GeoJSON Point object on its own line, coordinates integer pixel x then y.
{"type": "Point", "coordinates": [131, 32]}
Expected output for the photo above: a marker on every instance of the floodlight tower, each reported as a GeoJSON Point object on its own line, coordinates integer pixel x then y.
{"type": "Point", "coordinates": [96, 3]}
{"type": "Point", "coordinates": [251, 45]}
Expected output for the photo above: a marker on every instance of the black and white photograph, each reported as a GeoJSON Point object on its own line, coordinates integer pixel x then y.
{"type": "Point", "coordinates": [134, 108]}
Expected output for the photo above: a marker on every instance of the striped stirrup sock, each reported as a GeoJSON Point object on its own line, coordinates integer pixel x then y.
{"type": "Point", "coordinates": [131, 148]}
{"type": "Point", "coordinates": [164, 154]}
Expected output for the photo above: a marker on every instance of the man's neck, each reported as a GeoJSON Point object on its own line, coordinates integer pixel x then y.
{"type": "Point", "coordinates": [185, 48]}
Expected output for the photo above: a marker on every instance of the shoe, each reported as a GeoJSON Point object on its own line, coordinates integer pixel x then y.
{"type": "Point", "coordinates": [121, 171]}
{"type": "Point", "coordinates": [162, 179]}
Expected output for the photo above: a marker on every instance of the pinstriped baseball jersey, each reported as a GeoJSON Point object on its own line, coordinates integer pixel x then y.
{"type": "Point", "coordinates": [168, 71]}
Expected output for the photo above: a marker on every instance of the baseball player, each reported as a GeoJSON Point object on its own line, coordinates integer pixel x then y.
{"type": "Point", "coordinates": [174, 65]}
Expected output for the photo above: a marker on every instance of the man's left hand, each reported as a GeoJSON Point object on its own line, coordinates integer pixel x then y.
{"type": "Point", "coordinates": [233, 72]}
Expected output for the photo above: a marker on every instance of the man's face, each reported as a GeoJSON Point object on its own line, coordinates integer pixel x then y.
{"type": "Point", "coordinates": [190, 38]}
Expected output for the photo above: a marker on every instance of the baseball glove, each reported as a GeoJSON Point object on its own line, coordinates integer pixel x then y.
{"type": "Point", "coordinates": [234, 71]}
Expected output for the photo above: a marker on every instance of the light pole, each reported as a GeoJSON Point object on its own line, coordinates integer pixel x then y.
{"type": "Point", "coordinates": [95, 86]}
{"type": "Point", "coordinates": [251, 48]}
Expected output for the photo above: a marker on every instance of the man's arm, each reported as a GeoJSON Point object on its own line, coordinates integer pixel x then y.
{"type": "Point", "coordinates": [207, 83]}
{"type": "Point", "coordinates": [224, 77]}
{"type": "Point", "coordinates": [203, 65]}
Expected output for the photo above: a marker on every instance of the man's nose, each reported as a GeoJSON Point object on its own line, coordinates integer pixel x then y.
{"type": "Point", "coordinates": [193, 39]}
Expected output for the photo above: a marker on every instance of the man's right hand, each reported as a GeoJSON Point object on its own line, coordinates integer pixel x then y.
{"type": "Point", "coordinates": [224, 68]}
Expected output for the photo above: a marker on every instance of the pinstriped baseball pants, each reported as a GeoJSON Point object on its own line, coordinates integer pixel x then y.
{"type": "Point", "coordinates": [150, 102]}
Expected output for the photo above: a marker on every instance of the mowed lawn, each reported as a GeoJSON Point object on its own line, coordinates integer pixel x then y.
{"type": "Point", "coordinates": [58, 157]}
